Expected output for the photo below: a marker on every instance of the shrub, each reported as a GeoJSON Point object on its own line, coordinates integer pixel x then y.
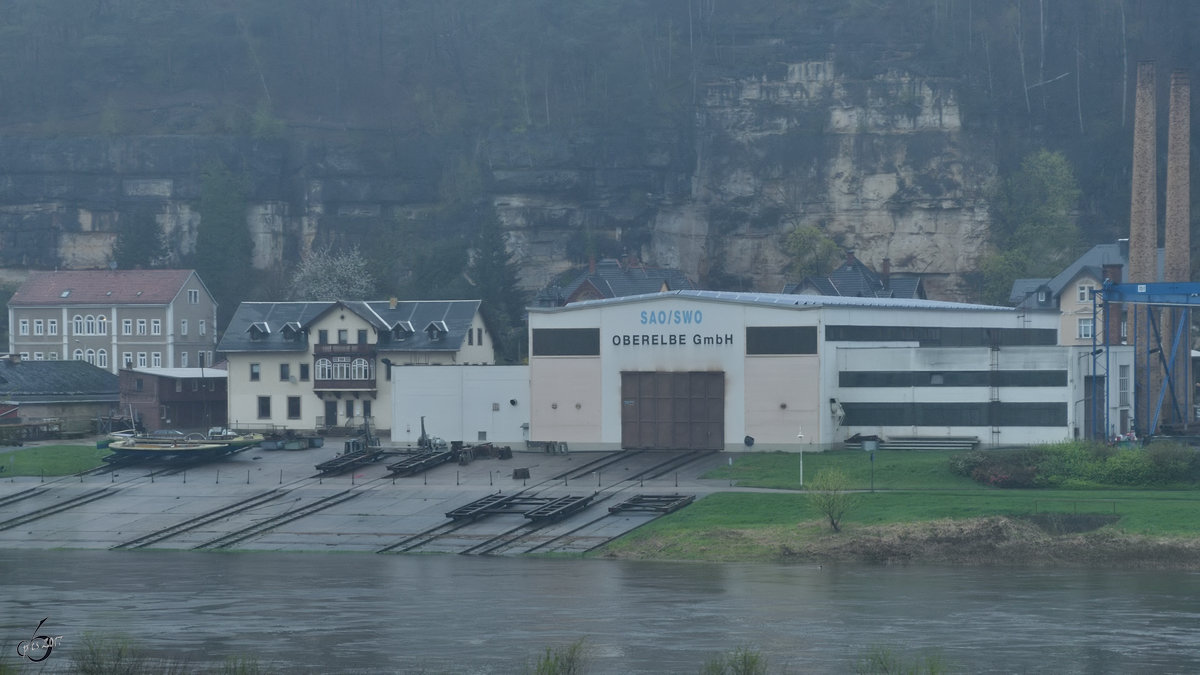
{"type": "Point", "coordinates": [964, 464]}
{"type": "Point", "coordinates": [884, 660]}
{"type": "Point", "coordinates": [568, 660]}
{"type": "Point", "coordinates": [741, 661]}
{"type": "Point", "coordinates": [1173, 463]}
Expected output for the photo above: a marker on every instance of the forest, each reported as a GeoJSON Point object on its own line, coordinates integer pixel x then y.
{"type": "Point", "coordinates": [1032, 75]}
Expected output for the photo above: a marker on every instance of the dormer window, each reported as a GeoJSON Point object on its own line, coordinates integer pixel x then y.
{"type": "Point", "coordinates": [1043, 296]}
{"type": "Point", "coordinates": [259, 330]}
{"type": "Point", "coordinates": [403, 330]}
{"type": "Point", "coordinates": [291, 331]}
{"type": "Point", "coordinates": [436, 330]}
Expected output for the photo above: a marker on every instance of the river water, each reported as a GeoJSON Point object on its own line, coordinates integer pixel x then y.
{"type": "Point", "coordinates": [359, 613]}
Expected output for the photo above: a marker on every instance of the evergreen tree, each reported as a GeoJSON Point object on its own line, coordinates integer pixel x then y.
{"type": "Point", "coordinates": [140, 241]}
{"type": "Point", "coordinates": [224, 250]}
{"type": "Point", "coordinates": [495, 277]}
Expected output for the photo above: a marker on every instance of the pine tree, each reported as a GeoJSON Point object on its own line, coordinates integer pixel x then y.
{"type": "Point", "coordinates": [502, 302]}
{"type": "Point", "coordinates": [224, 250]}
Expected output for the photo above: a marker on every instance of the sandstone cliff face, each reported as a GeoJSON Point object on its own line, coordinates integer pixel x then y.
{"type": "Point", "coordinates": [883, 165]}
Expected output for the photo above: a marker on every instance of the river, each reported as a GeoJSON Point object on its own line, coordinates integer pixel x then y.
{"type": "Point", "coordinates": [361, 613]}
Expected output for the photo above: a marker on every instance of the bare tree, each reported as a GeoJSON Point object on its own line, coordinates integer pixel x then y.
{"type": "Point", "coordinates": [829, 494]}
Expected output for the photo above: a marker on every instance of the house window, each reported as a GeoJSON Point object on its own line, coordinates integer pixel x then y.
{"type": "Point", "coordinates": [201, 361]}
{"type": "Point", "coordinates": [77, 324]}
{"type": "Point", "coordinates": [156, 327]}
{"type": "Point", "coordinates": [1043, 296]}
{"type": "Point", "coordinates": [102, 358]}
{"type": "Point", "coordinates": [1123, 385]}
{"type": "Point", "coordinates": [350, 409]}
{"type": "Point", "coordinates": [323, 337]}
{"type": "Point", "coordinates": [366, 408]}
{"type": "Point", "coordinates": [23, 327]}
{"type": "Point", "coordinates": [101, 325]}
{"type": "Point", "coordinates": [183, 326]}
{"type": "Point", "coordinates": [156, 359]}
{"type": "Point", "coordinates": [255, 372]}
{"type": "Point", "coordinates": [127, 326]}
{"type": "Point", "coordinates": [183, 359]}
{"type": "Point", "coordinates": [39, 327]}
{"type": "Point", "coordinates": [324, 369]}
{"type": "Point", "coordinates": [202, 327]}
{"type": "Point", "coordinates": [37, 356]}
{"type": "Point", "coordinates": [138, 385]}
{"type": "Point", "coordinates": [264, 407]}
{"type": "Point", "coordinates": [293, 407]}
{"type": "Point", "coordinates": [479, 336]}
{"type": "Point", "coordinates": [343, 336]}
{"type": "Point", "coordinates": [304, 372]}
{"type": "Point", "coordinates": [141, 360]}
{"type": "Point", "coordinates": [1085, 331]}
{"type": "Point", "coordinates": [470, 337]}
{"type": "Point", "coordinates": [141, 326]}
{"type": "Point", "coordinates": [359, 369]}
{"type": "Point", "coordinates": [178, 386]}
{"type": "Point", "coordinates": [90, 356]}
{"type": "Point", "coordinates": [89, 324]}
{"type": "Point", "coordinates": [1085, 292]}
{"type": "Point", "coordinates": [24, 356]}
{"type": "Point", "coordinates": [285, 372]}
{"type": "Point", "coordinates": [77, 355]}
{"type": "Point", "coordinates": [362, 337]}
{"type": "Point", "coordinates": [52, 327]}
{"type": "Point", "coordinates": [127, 360]}
{"type": "Point", "coordinates": [193, 296]}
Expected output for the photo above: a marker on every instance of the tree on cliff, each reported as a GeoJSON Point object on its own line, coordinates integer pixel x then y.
{"type": "Point", "coordinates": [1033, 229]}
{"type": "Point", "coordinates": [495, 277]}
{"type": "Point", "coordinates": [224, 250]}
{"type": "Point", "coordinates": [140, 241]}
{"type": "Point", "coordinates": [811, 251]}
{"type": "Point", "coordinates": [325, 274]}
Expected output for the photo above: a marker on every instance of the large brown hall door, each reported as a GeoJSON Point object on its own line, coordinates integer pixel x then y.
{"type": "Point", "coordinates": [669, 411]}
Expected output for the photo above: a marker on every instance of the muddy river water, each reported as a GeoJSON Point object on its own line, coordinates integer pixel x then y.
{"type": "Point", "coordinates": [367, 613]}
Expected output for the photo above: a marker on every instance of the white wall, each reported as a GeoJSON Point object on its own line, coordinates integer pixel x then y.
{"type": "Point", "coordinates": [459, 402]}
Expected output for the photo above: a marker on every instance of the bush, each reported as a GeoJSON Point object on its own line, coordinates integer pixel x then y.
{"type": "Point", "coordinates": [569, 660]}
{"type": "Point", "coordinates": [964, 464]}
{"type": "Point", "coordinates": [741, 661]}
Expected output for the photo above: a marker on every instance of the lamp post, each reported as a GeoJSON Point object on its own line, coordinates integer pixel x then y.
{"type": "Point", "coordinates": [801, 446]}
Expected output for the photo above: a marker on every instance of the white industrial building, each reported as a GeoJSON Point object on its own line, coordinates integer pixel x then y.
{"type": "Point", "coordinates": [736, 371]}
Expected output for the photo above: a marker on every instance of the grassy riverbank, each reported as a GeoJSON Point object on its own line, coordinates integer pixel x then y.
{"type": "Point", "coordinates": [921, 512]}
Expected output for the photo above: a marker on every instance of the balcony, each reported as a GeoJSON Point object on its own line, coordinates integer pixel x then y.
{"type": "Point", "coordinates": [344, 385]}
{"type": "Point", "coordinates": [367, 350]}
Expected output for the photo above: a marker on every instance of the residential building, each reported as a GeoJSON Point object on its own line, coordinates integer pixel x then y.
{"type": "Point", "coordinates": [854, 279]}
{"type": "Point", "coordinates": [186, 399]}
{"type": "Point", "coordinates": [114, 319]}
{"type": "Point", "coordinates": [611, 278]}
{"type": "Point", "coordinates": [319, 365]}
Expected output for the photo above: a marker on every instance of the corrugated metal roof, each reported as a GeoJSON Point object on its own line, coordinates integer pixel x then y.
{"type": "Point", "coordinates": [100, 287]}
{"type": "Point", "coordinates": [184, 373]}
{"type": "Point", "coordinates": [786, 300]}
{"type": "Point", "coordinates": [457, 315]}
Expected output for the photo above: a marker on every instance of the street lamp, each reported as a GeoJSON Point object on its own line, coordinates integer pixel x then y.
{"type": "Point", "coordinates": [799, 436]}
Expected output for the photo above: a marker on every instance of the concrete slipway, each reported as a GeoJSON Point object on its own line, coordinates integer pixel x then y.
{"type": "Point", "coordinates": [273, 500]}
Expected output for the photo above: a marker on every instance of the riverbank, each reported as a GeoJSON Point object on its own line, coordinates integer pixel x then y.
{"type": "Point", "coordinates": [992, 540]}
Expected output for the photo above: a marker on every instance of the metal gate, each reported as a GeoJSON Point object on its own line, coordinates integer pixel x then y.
{"type": "Point", "coordinates": [673, 411]}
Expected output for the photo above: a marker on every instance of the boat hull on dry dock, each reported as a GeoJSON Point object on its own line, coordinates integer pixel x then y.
{"type": "Point", "coordinates": [141, 449]}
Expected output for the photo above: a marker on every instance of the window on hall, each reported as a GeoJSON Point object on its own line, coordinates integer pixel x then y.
{"type": "Point", "coordinates": [324, 369]}
{"type": "Point", "coordinates": [37, 356]}
{"type": "Point", "coordinates": [304, 372]}
{"type": "Point", "coordinates": [183, 326]}
{"type": "Point", "coordinates": [90, 356]}
{"type": "Point", "coordinates": [127, 326]}
{"type": "Point", "coordinates": [141, 360]}
{"type": "Point", "coordinates": [77, 325]}
{"type": "Point", "coordinates": [127, 360]}
{"type": "Point", "coordinates": [141, 326]}
{"type": "Point", "coordinates": [255, 372]}
{"type": "Point", "coordinates": [343, 336]}
{"type": "Point", "coordinates": [39, 327]}
{"type": "Point", "coordinates": [183, 359]}
{"type": "Point", "coordinates": [201, 359]}
{"type": "Point", "coordinates": [52, 327]}
{"type": "Point", "coordinates": [1085, 327]}
{"type": "Point", "coordinates": [193, 296]}
{"type": "Point", "coordinates": [1123, 385]}
{"type": "Point", "coordinates": [359, 369]}
{"type": "Point", "coordinates": [77, 355]}
{"type": "Point", "coordinates": [285, 372]}
{"type": "Point", "coordinates": [293, 407]}
{"type": "Point", "coordinates": [52, 356]}
{"type": "Point", "coordinates": [323, 337]}
{"type": "Point", "coordinates": [89, 324]}
{"type": "Point", "coordinates": [156, 359]}
{"type": "Point", "coordinates": [156, 327]}
{"type": "Point", "coordinates": [101, 325]}
{"type": "Point", "coordinates": [23, 327]}
{"type": "Point", "coordinates": [264, 407]}
{"type": "Point", "coordinates": [202, 327]}
{"type": "Point", "coordinates": [102, 358]}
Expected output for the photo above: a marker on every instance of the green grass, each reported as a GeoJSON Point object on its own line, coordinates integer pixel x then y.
{"type": "Point", "coordinates": [51, 460]}
{"type": "Point", "coordinates": [894, 470]}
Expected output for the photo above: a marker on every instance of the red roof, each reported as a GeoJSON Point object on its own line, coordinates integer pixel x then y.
{"type": "Point", "coordinates": [101, 287]}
